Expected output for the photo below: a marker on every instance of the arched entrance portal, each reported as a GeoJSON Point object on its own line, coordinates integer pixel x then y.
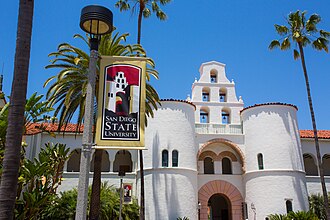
{"type": "Point", "coordinates": [220, 195]}
{"type": "Point", "coordinates": [219, 207]}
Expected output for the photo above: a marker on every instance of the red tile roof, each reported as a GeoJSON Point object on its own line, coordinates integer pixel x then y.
{"type": "Point", "coordinates": [270, 103]}
{"type": "Point", "coordinates": [322, 134]}
{"type": "Point", "coordinates": [35, 128]}
{"type": "Point", "coordinates": [178, 100]}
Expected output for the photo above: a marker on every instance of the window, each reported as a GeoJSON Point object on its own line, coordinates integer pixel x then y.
{"type": "Point", "coordinates": [205, 97]}
{"type": "Point", "coordinates": [105, 165]}
{"type": "Point", "coordinates": [74, 161]}
{"type": "Point", "coordinates": [123, 158]}
{"type": "Point", "coordinates": [326, 164]}
{"type": "Point", "coordinates": [260, 162]}
{"type": "Point", "coordinates": [288, 205]}
{"type": "Point", "coordinates": [222, 97]}
{"type": "Point", "coordinates": [204, 117]}
{"type": "Point", "coordinates": [226, 166]}
{"type": "Point", "coordinates": [208, 165]}
{"type": "Point", "coordinates": [213, 78]}
{"type": "Point", "coordinates": [175, 158]}
{"type": "Point", "coordinates": [310, 166]}
{"type": "Point", "coordinates": [245, 210]}
{"type": "Point", "coordinates": [225, 117]}
{"type": "Point", "coordinates": [165, 158]}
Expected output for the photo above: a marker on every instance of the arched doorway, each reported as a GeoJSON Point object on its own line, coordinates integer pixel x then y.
{"type": "Point", "coordinates": [219, 207]}
{"type": "Point", "coordinates": [222, 195]}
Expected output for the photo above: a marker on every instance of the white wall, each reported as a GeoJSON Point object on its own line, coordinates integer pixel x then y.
{"type": "Point", "coordinates": [272, 130]}
{"type": "Point", "coordinates": [171, 192]}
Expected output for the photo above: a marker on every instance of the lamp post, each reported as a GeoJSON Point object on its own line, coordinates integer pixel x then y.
{"type": "Point", "coordinates": [96, 21]}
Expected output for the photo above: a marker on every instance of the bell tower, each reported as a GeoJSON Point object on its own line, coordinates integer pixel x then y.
{"type": "Point", "coordinates": [215, 96]}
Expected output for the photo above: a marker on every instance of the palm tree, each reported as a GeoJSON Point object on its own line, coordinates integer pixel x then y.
{"type": "Point", "coordinates": [143, 7]}
{"type": "Point", "coordinates": [301, 33]}
{"type": "Point", "coordinates": [8, 187]}
{"type": "Point", "coordinates": [68, 90]}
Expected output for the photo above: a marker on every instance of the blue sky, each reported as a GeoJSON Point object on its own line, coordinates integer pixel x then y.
{"type": "Point", "coordinates": [235, 32]}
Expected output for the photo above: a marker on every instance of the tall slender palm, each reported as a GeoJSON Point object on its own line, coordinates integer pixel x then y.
{"type": "Point", "coordinates": [8, 187]}
{"type": "Point", "coordinates": [143, 7]}
{"type": "Point", "coordinates": [69, 89]}
{"type": "Point", "coordinates": [301, 33]}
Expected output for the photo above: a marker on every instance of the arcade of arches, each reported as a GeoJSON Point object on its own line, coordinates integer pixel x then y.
{"type": "Point", "coordinates": [220, 200]}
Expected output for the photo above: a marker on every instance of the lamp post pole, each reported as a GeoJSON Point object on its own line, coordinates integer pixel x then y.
{"type": "Point", "coordinates": [87, 141]}
{"type": "Point", "coordinates": [95, 20]}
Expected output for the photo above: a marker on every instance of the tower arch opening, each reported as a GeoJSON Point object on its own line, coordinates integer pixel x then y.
{"type": "Point", "coordinates": [223, 95]}
{"type": "Point", "coordinates": [213, 76]}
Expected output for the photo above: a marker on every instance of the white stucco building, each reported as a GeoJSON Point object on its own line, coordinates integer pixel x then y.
{"type": "Point", "coordinates": [210, 156]}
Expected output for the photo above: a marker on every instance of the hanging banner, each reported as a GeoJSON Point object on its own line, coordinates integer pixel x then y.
{"type": "Point", "coordinates": [121, 103]}
{"type": "Point", "coordinates": [127, 193]}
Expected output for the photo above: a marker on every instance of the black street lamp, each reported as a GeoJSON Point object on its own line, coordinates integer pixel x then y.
{"type": "Point", "coordinates": [96, 21]}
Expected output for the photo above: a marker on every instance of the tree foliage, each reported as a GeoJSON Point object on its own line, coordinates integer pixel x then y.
{"type": "Point", "coordinates": [68, 87]}
{"type": "Point", "coordinates": [64, 205]}
{"type": "Point", "coordinates": [38, 180]}
{"type": "Point", "coordinates": [299, 215]}
{"type": "Point", "coordinates": [301, 31]}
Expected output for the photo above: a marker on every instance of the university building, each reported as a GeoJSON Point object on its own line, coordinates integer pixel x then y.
{"type": "Point", "coordinates": [211, 156]}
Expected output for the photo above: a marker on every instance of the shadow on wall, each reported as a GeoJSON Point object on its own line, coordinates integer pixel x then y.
{"type": "Point", "coordinates": [155, 180]}
{"type": "Point", "coordinates": [291, 127]}
{"type": "Point", "coordinates": [301, 192]}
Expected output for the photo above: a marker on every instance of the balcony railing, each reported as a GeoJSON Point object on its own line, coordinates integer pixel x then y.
{"type": "Point", "coordinates": [218, 129]}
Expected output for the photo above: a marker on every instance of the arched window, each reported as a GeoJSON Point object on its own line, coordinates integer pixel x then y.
{"type": "Point", "coordinates": [165, 158]}
{"type": "Point", "coordinates": [105, 166]}
{"type": "Point", "coordinates": [310, 166]}
{"type": "Point", "coordinates": [225, 116]}
{"type": "Point", "coordinates": [260, 162]}
{"type": "Point", "coordinates": [213, 76]}
{"type": "Point", "coordinates": [74, 161]}
{"type": "Point", "coordinates": [204, 116]}
{"type": "Point", "coordinates": [326, 164]}
{"type": "Point", "coordinates": [122, 158]}
{"type": "Point", "coordinates": [223, 95]}
{"type": "Point", "coordinates": [226, 166]}
{"type": "Point", "coordinates": [175, 158]}
{"type": "Point", "coordinates": [206, 95]}
{"type": "Point", "coordinates": [208, 166]}
{"type": "Point", "coordinates": [288, 205]}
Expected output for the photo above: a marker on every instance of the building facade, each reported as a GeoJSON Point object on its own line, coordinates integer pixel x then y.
{"type": "Point", "coordinates": [209, 157]}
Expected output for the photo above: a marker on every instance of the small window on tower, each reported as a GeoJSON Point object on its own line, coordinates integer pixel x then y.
{"type": "Point", "coordinates": [288, 205]}
{"type": "Point", "coordinates": [222, 97]}
{"type": "Point", "coordinates": [205, 96]}
{"type": "Point", "coordinates": [225, 118]}
{"type": "Point", "coordinates": [123, 86]}
{"type": "Point", "coordinates": [260, 162]}
{"type": "Point", "coordinates": [213, 78]}
{"type": "Point", "coordinates": [123, 80]}
{"type": "Point", "coordinates": [117, 85]}
{"type": "Point", "coordinates": [165, 158]}
{"type": "Point", "coordinates": [204, 117]}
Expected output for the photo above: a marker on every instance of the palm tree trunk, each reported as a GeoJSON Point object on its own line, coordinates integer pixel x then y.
{"type": "Point", "coordinates": [317, 146]}
{"type": "Point", "coordinates": [142, 6]}
{"type": "Point", "coordinates": [142, 208]}
{"type": "Point", "coordinates": [96, 186]}
{"type": "Point", "coordinates": [11, 162]}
